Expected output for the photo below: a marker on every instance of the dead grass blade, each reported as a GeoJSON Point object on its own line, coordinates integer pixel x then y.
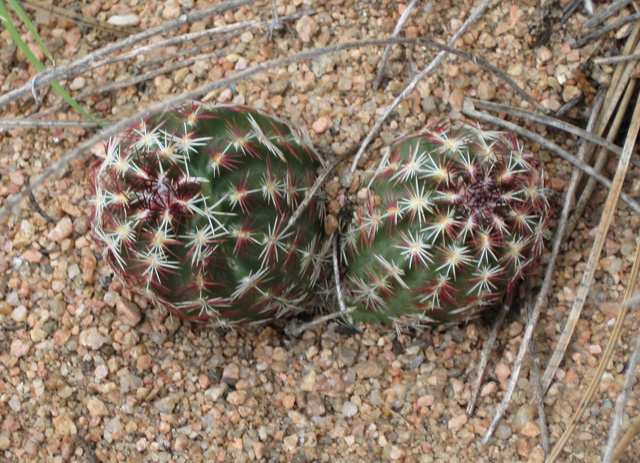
{"type": "Point", "coordinates": [541, 297]}
{"type": "Point", "coordinates": [603, 227]}
{"type": "Point", "coordinates": [604, 360]}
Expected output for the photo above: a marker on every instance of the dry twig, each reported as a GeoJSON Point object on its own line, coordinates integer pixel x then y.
{"type": "Point", "coordinates": [540, 299]}
{"type": "Point", "coordinates": [601, 234]}
{"type": "Point", "coordinates": [409, 88]}
{"type": "Point", "coordinates": [606, 13]}
{"type": "Point", "coordinates": [600, 32]}
{"type": "Point", "coordinates": [484, 357]}
{"type": "Point", "coordinates": [387, 50]}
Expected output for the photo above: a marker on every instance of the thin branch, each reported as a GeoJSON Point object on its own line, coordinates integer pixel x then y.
{"type": "Point", "coordinates": [484, 64]}
{"type": "Point", "coordinates": [9, 123]}
{"type": "Point", "coordinates": [409, 88]}
{"type": "Point", "coordinates": [537, 388]}
{"type": "Point", "coordinates": [600, 32]}
{"type": "Point", "coordinates": [616, 59]}
{"type": "Point", "coordinates": [621, 404]}
{"type": "Point", "coordinates": [387, 50]}
{"type": "Point", "coordinates": [606, 13]}
{"type": "Point", "coordinates": [551, 122]}
{"type": "Point", "coordinates": [336, 275]}
{"type": "Point", "coordinates": [540, 299]}
{"type": "Point", "coordinates": [601, 158]}
{"type": "Point", "coordinates": [84, 63]}
{"type": "Point", "coordinates": [604, 361]}
{"type": "Point", "coordinates": [105, 133]}
{"type": "Point", "coordinates": [36, 206]}
{"type": "Point", "coordinates": [484, 357]}
{"type": "Point", "coordinates": [634, 428]}
{"type": "Point", "coordinates": [556, 149]}
{"type": "Point", "coordinates": [603, 227]}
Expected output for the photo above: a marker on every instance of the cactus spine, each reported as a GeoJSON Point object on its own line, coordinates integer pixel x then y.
{"type": "Point", "coordinates": [453, 217]}
{"type": "Point", "coordinates": [192, 209]}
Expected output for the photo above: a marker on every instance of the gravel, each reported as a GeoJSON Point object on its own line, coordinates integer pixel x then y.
{"type": "Point", "coordinates": [90, 372]}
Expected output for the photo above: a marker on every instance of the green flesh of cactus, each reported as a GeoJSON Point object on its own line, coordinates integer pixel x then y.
{"type": "Point", "coordinates": [192, 209]}
{"type": "Point", "coordinates": [453, 218]}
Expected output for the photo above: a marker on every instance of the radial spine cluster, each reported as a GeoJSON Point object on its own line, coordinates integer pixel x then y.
{"type": "Point", "coordinates": [454, 216]}
{"type": "Point", "coordinates": [192, 209]}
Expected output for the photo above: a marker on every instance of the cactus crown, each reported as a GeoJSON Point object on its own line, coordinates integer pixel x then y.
{"type": "Point", "coordinates": [453, 218]}
{"type": "Point", "coordinates": [192, 209]}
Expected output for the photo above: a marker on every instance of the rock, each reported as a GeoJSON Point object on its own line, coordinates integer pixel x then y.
{"type": "Point", "coordinates": [237, 397]}
{"type": "Point", "coordinates": [128, 312]}
{"type": "Point", "coordinates": [19, 348]}
{"type": "Point", "coordinates": [366, 370]}
{"type": "Point", "coordinates": [347, 356]}
{"type": "Point", "coordinates": [570, 92]}
{"type": "Point", "coordinates": [345, 177]}
{"type": "Point", "coordinates": [231, 371]}
{"type": "Point", "coordinates": [308, 382]}
{"type": "Point", "coordinates": [543, 54]}
{"type": "Point", "coordinates": [214, 393]}
{"type": "Point", "coordinates": [167, 404]}
{"type": "Point", "coordinates": [171, 11]}
{"type": "Point", "coordinates": [322, 125]}
{"type": "Point", "coordinates": [32, 256]}
{"type": "Point", "coordinates": [113, 430]}
{"type": "Point", "coordinates": [331, 224]}
{"type": "Point", "coordinates": [130, 383]}
{"type": "Point", "coordinates": [530, 429]}
{"type": "Point", "coordinates": [5, 441]}
{"type": "Point", "coordinates": [502, 371]}
{"type": "Point", "coordinates": [259, 449]}
{"type": "Point", "coordinates": [504, 432]}
{"type": "Point", "coordinates": [62, 230]}
{"type": "Point", "coordinates": [306, 27]}
{"type": "Point", "coordinates": [19, 314]}
{"type": "Point", "coordinates": [64, 425]}
{"type": "Point", "coordinates": [289, 401]}
{"type": "Point", "coordinates": [485, 91]}
{"type": "Point", "coordinates": [97, 407]}
{"type": "Point", "coordinates": [13, 299]}
{"type": "Point", "coordinates": [457, 422]}
{"type": "Point", "coordinates": [78, 83]}
{"type": "Point", "coordinates": [181, 443]}
{"type": "Point", "coordinates": [127, 20]}
{"type": "Point", "coordinates": [92, 339]}
{"type": "Point", "coordinates": [38, 335]}
{"type": "Point", "coordinates": [349, 409]}
{"type": "Point", "coordinates": [525, 414]}
{"type": "Point", "coordinates": [537, 455]}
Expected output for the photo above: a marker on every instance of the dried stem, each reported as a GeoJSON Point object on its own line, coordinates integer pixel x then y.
{"type": "Point", "coordinates": [621, 404]}
{"type": "Point", "coordinates": [604, 360]}
{"type": "Point", "coordinates": [606, 13]}
{"type": "Point", "coordinates": [105, 133]}
{"type": "Point", "coordinates": [7, 124]}
{"type": "Point", "coordinates": [617, 59]}
{"type": "Point", "coordinates": [556, 149]}
{"type": "Point", "coordinates": [634, 428]}
{"type": "Point", "coordinates": [387, 50]}
{"type": "Point", "coordinates": [535, 365]}
{"type": "Point", "coordinates": [85, 63]}
{"type": "Point", "coordinates": [542, 294]}
{"type": "Point", "coordinates": [409, 88]}
{"type": "Point", "coordinates": [484, 357]}
{"type": "Point", "coordinates": [551, 122]}
{"type": "Point", "coordinates": [600, 32]}
{"type": "Point", "coordinates": [601, 234]}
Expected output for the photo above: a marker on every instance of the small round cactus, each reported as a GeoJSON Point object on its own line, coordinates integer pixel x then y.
{"type": "Point", "coordinates": [451, 219]}
{"type": "Point", "coordinates": [192, 209]}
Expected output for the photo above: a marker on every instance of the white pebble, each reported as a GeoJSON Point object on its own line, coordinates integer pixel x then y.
{"type": "Point", "coordinates": [124, 20]}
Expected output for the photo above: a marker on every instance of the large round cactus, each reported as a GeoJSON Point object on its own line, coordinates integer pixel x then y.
{"type": "Point", "coordinates": [450, 221]}
{"type": "Point", "coordinates": [192, 209]}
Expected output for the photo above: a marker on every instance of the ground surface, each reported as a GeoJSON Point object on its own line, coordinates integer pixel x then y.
{"type": "Point", "coordinates": [89, 373]}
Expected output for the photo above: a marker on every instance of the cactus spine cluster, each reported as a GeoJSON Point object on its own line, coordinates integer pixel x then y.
{"type": "Point", "coordinates": [452, 218]}
{"type": "Point", "coordinates": [192, 209]}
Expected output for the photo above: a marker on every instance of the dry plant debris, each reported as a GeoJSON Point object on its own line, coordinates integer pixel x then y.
{"type": "Point", "coordinates": [89, 372]}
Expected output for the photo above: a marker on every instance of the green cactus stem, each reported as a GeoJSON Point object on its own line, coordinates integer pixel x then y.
{"type": "Point", "coordinates": [451, 220]}
{"type": "Point", "coordinates": [192, 210]}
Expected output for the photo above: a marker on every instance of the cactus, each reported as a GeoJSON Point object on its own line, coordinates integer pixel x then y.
{"type": "Point", "coordinates": [451, 219]}
{"type": "Point", "coordinates": [192, 210]}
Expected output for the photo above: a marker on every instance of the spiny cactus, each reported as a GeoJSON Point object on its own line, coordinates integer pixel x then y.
{"type": "Point", "coordinates": [451, 219]}
{"type": "Point", "coordinates": [192, 209]}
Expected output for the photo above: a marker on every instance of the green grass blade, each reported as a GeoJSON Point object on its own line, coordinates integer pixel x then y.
{"type": "Point", "coordinates": [5, 19]}
{"type": "Point", "coordinates": [27, 22]}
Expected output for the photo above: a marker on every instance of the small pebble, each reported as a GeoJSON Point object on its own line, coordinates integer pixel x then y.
{"type": "Point", "coordinates": [128, 312]}
{"type": "Point", "coordinates": [125, 20]}
{"type": "Point", "coordinates": [19, 314]}
{"type": "Point", "coordinates": [306, 27]}
{"type": "Point", "coordinates": [349, 409]}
